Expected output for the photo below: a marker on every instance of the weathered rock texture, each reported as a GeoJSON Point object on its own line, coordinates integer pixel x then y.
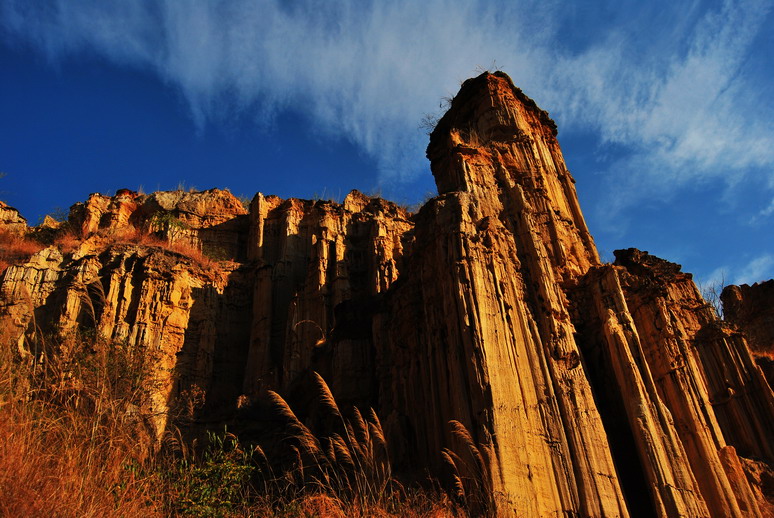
{"type": "Point", "coordinates": [685, 383]}
{"type": "Point", "coordinates": [11, 221]}
{"type": "Point", "coordinates": [320, 266]}
{"type": "Point", "coordinates": [751, 309]}
{"type": "Point", "coordinates": [591, 389]}
{"type": "Point", "coordinates": [214, 221]}
{"type": "Point", "coordinates": [479, 330]}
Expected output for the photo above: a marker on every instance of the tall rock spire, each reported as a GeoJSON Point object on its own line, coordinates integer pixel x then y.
{"type": "Point", "coordinates": [488, 340]}
{"type": "Point", "coordinates": [495, 143]}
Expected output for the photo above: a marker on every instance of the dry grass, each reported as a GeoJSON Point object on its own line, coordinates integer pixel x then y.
{"type": "Point", "coordinates": [134, 236]}
{"type": "Point", "coordinates": [470, 472]}
{"type": "Point", "coordinates": [348, 469]}
{"type": "Point", "coordinates": [71, 445]}
{"type": "Point", "coordinates": [16, 249]}
{"type": "Point", "coordinates": [68, 448]}
{"type": "Point", "coordinates": [67, 242]}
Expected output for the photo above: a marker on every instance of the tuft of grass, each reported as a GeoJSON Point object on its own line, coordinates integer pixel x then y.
{"type": "Point", "coordinates": [67, 242]}
{"type": "Point", "coordinates": [16, 249]}
{"type": "Point", "coordinates": [470, 472]}
{"type": "Point", "coordinates": [348, 469]}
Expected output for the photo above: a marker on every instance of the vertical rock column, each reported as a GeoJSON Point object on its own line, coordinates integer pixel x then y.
{"type": "Point", "coordinates": [479, 331]}
{"type": "Point", "coordinates": [702, 374]}
{"type": "Point", "coordinates": [688, 389]}
{"type": "Point", "coordinates": [315, 262]}
{"type": "Point", "coordinates": [613, 348]}
{"type": "Point", "coordinates": [751, 309]}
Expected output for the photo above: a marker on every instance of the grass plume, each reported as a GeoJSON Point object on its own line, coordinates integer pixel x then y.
{"type": "Point", "coordinates": [352, 467]}
{"type": "Point", "coordinates": [471, 472]}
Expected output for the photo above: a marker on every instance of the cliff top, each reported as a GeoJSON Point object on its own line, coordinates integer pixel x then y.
{"type": "Point", "coordinates": [497, 88]}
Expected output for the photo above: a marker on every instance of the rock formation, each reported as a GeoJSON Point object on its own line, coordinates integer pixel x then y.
{"type": "Point", "coordinates": [590, 389]}
{"type": "Point", "coordinates": [11, 221]}
{"type": "Point", "coordinates": [482, 311]}
{"type": "Point", "coordinates": [751, 309]}
{"type": "Point", "coordinates": [688, 388]}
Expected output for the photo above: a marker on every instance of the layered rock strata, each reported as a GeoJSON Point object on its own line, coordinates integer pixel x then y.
{"type": "Point", "coordinates": [590, 389]}
{"type": "Point", "coordinates": [11, 221]}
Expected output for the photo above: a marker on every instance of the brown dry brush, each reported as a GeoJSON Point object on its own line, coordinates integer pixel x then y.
{"type": "Point", "coordinates": [68, 442]}
{"type": "Point", "coordinates": [76, 440]}
{"type": "Point", "coordinates": [16, 249]}
{"type": "Point", "coordinates": [349, 467]}
{"type": "Point", "coordinates": [69, 446]}
{"type": "Point", "coordinates": [70, 419]}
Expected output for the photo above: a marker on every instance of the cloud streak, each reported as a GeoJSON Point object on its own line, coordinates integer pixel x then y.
{"type": "Point", "coordinates": [756, 270]}
{"type": "Point", "coordinates": [666, 84]}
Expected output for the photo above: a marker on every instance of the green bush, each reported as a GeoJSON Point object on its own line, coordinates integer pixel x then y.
{"type": "Point", "coordinates": [217, 484]}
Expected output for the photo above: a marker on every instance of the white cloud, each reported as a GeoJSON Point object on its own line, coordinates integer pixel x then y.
{"type": "Point", "coordinates": [763, 213]}
{"type": "Point", "coordinates": [665, 84]}
{"type": "Point", "coordinates": [758, 269]}
{"type": "Point", "coordinates": [684, 115]}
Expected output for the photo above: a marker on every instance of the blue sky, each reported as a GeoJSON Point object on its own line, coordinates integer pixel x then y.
{"type": "Point", "coordinates": [665, 109]}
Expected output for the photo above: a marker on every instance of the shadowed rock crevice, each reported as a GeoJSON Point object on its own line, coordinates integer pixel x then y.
{"type": "Point", "coordinates": [610, 400]}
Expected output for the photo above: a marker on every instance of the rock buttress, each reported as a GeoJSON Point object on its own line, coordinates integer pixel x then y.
{"type": "Point", "coordinates": [320, 266]}
{"type": "Point", "coordinates": [477, 329]}
{"type": "Point", "coordinates": [751, 309]}
{"type": "Point", "coordinates": [689, 391]}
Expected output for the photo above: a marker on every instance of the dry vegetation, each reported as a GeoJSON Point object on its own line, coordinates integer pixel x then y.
{"type": "Point", "coordinates": [68, 444]}
{"type": "Point", "coordinates": [133, 236]}
{"type": "Point", "coordinates": [71, 445]}
{"type": "Point", "coordinates": [15, 248]}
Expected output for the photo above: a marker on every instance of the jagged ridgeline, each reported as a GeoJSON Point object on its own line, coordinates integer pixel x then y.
{"type": "Point", "coordinates": [497, 351]}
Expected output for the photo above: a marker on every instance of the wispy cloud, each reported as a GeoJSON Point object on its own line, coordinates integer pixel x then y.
{"type": "Point", "coordinates": [763, 213]}
{"type": "Point", "coordinates": [756, 270]}
{"type": "Point", "coordinates": [665, 83]}
{"type": "Point", "coordinates": [687, 113]}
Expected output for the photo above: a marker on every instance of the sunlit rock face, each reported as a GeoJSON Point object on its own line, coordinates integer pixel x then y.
{"type": "Point", "coordinates": [590, 389]}
{"type": "Point", "coordinates": [479, 330]}
{"type": "Point", "coordinates": [11, 221]}
{"type": "Point", "coordinates": [675, 385]}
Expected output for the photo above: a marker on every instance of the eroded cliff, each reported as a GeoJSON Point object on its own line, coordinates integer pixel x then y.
{"type": "Point", "coordinates": [751, 309]}
{"type": "Point", "coordinates": [590, 389]}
